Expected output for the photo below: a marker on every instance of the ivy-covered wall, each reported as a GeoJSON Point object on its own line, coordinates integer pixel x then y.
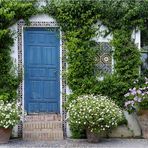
{"type": "Point", "coordinates": [76, 19]}
{"type": "Point", "coordinates": [10, 12]}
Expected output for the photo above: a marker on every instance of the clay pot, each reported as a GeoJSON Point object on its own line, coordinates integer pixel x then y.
{"type": "Point", "coordinates": [143, 121]}
{"type": "Point", "coordinates": [5, 135]}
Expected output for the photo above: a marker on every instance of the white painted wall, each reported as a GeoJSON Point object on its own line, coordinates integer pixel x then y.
{"type": "Point", "coordinates": [100, 37]}
{"type": "Point", "coordinates": [14, 48]}
{"type": "Point", "coordinates": [137, 38]}
{"type": "Point", "coordinates": [41, 18]}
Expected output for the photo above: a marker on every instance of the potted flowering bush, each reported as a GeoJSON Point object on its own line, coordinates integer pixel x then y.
{"type": "Point", "coordinates": [95, 114]}
{"type": "Point", "coordinates": [9, 116]}
{"type": "Point", "coordinates": [137, 100]}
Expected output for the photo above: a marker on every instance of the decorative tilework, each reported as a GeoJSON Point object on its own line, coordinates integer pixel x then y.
{"type": "Point", "coordinates": [104, 57]}
{"type": "Point", "coordinates": [64, 88]}
{"type": "Point", "coordinates": [53, 24]}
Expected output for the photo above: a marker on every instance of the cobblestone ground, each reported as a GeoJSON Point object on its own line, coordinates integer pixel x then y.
{"type": "Point", "coordinates": [68, 143]}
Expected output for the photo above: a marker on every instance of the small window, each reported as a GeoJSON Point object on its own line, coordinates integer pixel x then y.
{"type": "Point", "coordinates": [144, 52]}
{"type": "Point", "coordinates": [104, 58]}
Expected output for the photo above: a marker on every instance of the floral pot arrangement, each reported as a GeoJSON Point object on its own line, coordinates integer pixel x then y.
{"type": "Point", "coordinates": [9, 117]}
{"type": "Point", "coordinates": [95, 114]}
{"type": "Point", "coordinates": [138, 101]}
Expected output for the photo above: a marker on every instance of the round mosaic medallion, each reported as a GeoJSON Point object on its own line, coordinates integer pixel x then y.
{"type": "Point", "coordinates": [105, 58]}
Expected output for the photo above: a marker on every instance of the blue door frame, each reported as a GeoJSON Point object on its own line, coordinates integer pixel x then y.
{"type": "Point", "coordinates": [41, 70]}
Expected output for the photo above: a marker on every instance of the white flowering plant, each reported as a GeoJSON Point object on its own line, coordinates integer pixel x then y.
{"type": "Point", "coordinates": [137, 97]}
{"type": "Point", "coordinates": [96, 113]}
{"type": "Point", "coordinates": [9, 114]}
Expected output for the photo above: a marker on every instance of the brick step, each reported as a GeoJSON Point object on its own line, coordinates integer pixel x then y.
{"type": "Point", "coordinates": [43, 127]}
{"type": "Point", "coordinates": [43, 117]}
{"type": "Point", "coordinates": [30, 126]}
{"type": "Point", "coordinates": [42, 131]}
{"type": "Point", "coordinates": [44, 136]}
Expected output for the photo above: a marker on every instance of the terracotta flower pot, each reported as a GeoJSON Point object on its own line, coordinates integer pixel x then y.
{"type": "Point", "coordinates": [143, 121]}
{"type": "Point", "coordinates": [92, 137]}
{"type": "Point", "coordinates": [5, 134]}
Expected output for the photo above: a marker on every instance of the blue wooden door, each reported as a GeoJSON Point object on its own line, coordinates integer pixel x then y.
{"type": "Point", "coordinates": [41, 70]}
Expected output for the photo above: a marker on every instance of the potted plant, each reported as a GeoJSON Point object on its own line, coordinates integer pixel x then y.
{"type": "Point", "coordinates": [137, 100]}
{"type": "Point", "coordinates": [9, 117]}
{"type": "Point", "coordinates": [96, 114]}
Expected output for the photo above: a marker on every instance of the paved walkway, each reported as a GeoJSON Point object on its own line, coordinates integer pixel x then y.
{"type": "Point", "coordinates": [68, 143]}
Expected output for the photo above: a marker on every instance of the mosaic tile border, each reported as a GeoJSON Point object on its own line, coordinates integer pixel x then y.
{"type": "Point", "coordinates": [20, 26]}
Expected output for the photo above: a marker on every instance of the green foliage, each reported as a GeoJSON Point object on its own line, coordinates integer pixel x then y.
{"type": "Point", "coordinates": [127, 56]}
{"type": "Point", "coordinates": [9, 114]}
{"type": "Point", "coordinates": [77, 19]}
{"type": "Point", "coordinates": [127, 62]}
{"type": "Point", "coordinates": [123, 14]}
{"type": "Point", "coordinates": [74, 15]}
{"type": "Point", "coordinates": [10, 12]}
{"type": "Point", "coordinates": [13, 10]}
{"type": "Point", "coordinates": [77, 133]}
{"type": "Point", "coordinates": [81, 61]}
{"type": "Point", "coordinates": [144, 105]}
{"type": "Point", "coordinates": [113, 87]}
{"type": "Point", "coordinates": [4, 97]}
{"type": "Point", "coordinates": [96, 113]}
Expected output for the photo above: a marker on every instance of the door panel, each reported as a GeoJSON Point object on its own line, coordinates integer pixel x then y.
{"type": "Point", "coordinates": [42, 70]}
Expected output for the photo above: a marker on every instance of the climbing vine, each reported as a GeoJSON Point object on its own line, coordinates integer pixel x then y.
{"type": "Point", "coordinates": [10, 12]}
{"type": "Point", "coordinates": [77, 20]}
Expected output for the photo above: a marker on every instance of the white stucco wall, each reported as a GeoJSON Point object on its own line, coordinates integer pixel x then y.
{"type": "Point", "coordinates": [14, 48]}
{"type": "Point", "coordinates": [15, 58]}
{"type": "Point", "coordinates": [137, 38]}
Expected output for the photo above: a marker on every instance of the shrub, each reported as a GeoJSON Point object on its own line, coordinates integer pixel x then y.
{"type": "Point", "coordinates": [97, 113]}
{"type": "Point", "coordinates": [9, 114]}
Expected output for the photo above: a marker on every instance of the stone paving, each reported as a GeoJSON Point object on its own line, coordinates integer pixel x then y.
{"type": "Point", "coordinates": [69, 143]}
